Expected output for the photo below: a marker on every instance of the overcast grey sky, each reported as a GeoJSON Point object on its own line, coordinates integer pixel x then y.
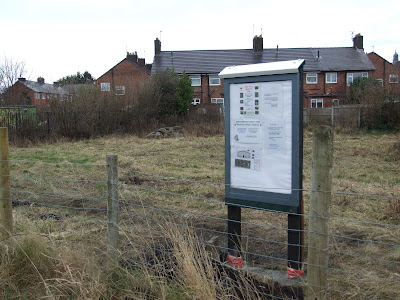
{"type": "Point", "coordinates": [59, 38]}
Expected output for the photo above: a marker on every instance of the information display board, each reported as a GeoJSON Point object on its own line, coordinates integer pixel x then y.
{"type": "Point", "coordinates": [263, 138]}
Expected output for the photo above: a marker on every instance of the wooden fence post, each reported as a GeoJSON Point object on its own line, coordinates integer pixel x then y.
{"type": "Point", "coordinates": [6, 217]}
{"type": "Point", "coordinates": [320, 201]}
{"type": "Point", "coordinates": [112, 208]}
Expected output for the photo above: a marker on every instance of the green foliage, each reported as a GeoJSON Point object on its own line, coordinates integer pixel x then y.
{"type": "Point", "coordinates": [24, 99]}
{"type": "Point", "coordinates": [167, 82]}
{"type": "Point", "coordinates": [79, 78]}
{"type": "Point", "coordinates": [185, 94]}
{"type": "Point", "coordinates": [379, 109]}
{"type": "Point", "coordinates": [366, 90]}
{"type": "Point", "coordinates": [166, 94]}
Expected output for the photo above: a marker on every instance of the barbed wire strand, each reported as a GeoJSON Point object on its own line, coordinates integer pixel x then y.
{"type": "Point", "coordinates": [264, 188]}
{"type": "Point", "coordinates": [394, 262]}
{"type": "Point", "coordinates": [54, 163]}
{"type": "Point", "coordinates": [254, 224]}
{"type": "Point", "coordinates": [261, 208]}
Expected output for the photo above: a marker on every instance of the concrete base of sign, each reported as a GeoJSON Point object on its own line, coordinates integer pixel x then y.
{"type": "Point", "coordinates": [274, 275]}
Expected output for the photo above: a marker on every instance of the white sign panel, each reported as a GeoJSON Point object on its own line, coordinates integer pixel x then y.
{"type": "Point", "coordinates": [261, 136]}
{"type": "Point", "coordinates": [247, 131]}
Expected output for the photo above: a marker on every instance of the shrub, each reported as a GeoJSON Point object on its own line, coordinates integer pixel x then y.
{"type": "Point", "coordinates": [380, 111]}
{"type": "Point", "coordinates": [89, 114]}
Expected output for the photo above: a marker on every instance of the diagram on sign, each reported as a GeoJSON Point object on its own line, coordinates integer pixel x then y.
{"type": "Point", "coordinates": [248, 158]}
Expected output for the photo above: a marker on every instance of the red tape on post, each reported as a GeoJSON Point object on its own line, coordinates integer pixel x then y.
{"type": "Point", "coordinates": [293, 273]}
{"type": "Point", "coordinates": [235, 261]}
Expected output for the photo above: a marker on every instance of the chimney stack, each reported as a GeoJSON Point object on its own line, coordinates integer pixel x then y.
{"type": "Point", "coordinates": [395, 58]}
{"type": "Point", "coordinates": [358, 41]}
{"type": "Point", "coordinates": [22, 79]}
{"type": "Point", "coordinates": [258, 43]}
{"type": "Point", "coordinates": [157, 46]}
{"type": "Point", "coordinates": [132, 56]}
{"type": "Point", "coordinates": [141, 62]}
{"type": "Point", "coordinates": [40, 80]}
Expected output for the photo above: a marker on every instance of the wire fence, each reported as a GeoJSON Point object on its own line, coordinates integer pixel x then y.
{"type": "Point", "coordinates": [71, 208]}
{"type": "Point", "coordinates": [130, 216]}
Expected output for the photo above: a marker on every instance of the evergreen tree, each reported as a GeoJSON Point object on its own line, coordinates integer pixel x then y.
{"type": "Point", "coordinates": [184, 94]}
{"type": "Point", "coordinates": [79, 78]}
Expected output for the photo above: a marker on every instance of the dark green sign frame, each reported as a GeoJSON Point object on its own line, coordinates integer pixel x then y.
{"type": "Point", "coordinates": [290, 203]}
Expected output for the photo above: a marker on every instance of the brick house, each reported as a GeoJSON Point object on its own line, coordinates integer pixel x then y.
{"type": "Point", "coordinates": [126, 77]}
{"type": "Point", "coordinates": [328, 72]}
{"type": "Point", "coordinates": [28, 92]}
{"type": "Point", "coordinates": [387, 73]}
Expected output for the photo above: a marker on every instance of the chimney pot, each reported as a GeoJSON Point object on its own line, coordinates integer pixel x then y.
{"type": "Point", "coordinates": [40, 80]}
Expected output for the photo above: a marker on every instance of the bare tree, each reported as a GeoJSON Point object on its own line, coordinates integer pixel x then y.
{"type": "Point", "coordinates": [10, 71]}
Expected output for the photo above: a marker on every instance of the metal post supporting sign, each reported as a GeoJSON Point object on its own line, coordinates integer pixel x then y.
{"type": "Point", "coordinates": [263, 146]}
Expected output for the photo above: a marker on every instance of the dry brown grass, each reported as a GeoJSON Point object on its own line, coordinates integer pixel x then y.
{"type": "Point", "coordinates": [364, 257]}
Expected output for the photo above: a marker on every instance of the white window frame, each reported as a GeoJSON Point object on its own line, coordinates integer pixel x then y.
{"type": "Point", "coordinates": [196, 101]}
{"type": "Point", "coordinates": [350, 77]}
{"type": "Point", "coordinates": [196, 80]}
{"type": "Point", "coordinates": [217, 100]}
{"type": "Point", "coordinates": [214, 80]}
{"type": "Point", "coordinates": [43, 96]}
{"type": "Point", "coordinates": [331, 77]}
{"type": "Point", "coordinates": [312, 78]}
{"type": "Point", "coordinates": [380, 80]}
{"type": "Point", "coordinates": [105, 86]}
{"type": "Point", "coordinates": [393, 78]}
{"type": "Point", "coordinates": [315, 102]}
{"type": "Point", "coordinates": [335, 101]}
{"type": "Point", "coordinates": [120, 90]}
{"type": "Point", "coordinates": [37, 95]}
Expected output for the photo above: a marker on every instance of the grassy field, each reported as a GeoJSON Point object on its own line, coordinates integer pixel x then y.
{"type": "Point", "coordinates": [68, 179]}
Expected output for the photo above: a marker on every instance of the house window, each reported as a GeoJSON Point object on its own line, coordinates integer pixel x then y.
{"type": "Point", "coordinates": [120, 90]}
{"type": "Point", "coordinates": [393, 78]}
{"type": "Point", "coordinates": [37, 95]}
{"type": "Point", "coordinates": [336, 101]}
{"type": "Point", "coordinates": [311, 78]}
{"type": "Point", "coordinates": [105, 86]}
{"type": "Point", "coordinates": [217, 100]}
{"type": "Point", "coordinates": [331, 77]}
{"type": "Point", "coordinates": [43, 96]}
{"type": "Point", "coordinates": [380, 81]}
{"type": "Point", "coordinates": [352, 76]}
{"type": "Point", "coordinates": [316, 103]}
{"type": "Point", "coordinates": [196, 101]}
{"type": "Point", "coordinates": [196, 80]}
{"type": "Point", "coordinates": [214, 80]}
